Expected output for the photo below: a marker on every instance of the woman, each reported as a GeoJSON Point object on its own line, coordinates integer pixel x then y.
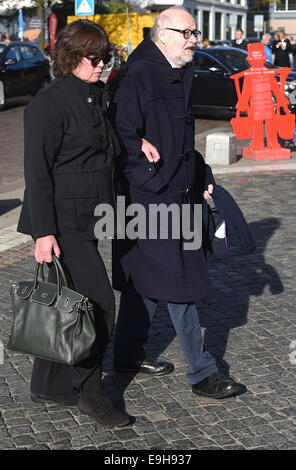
{"type": "Point", "coordinates": [281, 48]}
{"type": "Point", "coordinates": [70, 147]}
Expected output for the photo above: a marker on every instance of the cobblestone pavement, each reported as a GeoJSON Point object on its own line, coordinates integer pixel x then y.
{"type": "Point", "coordinates": [249, 326]}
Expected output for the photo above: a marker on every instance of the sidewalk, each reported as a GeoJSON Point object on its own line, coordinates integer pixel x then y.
{"type": "Point", "coordinates": [249, 326]}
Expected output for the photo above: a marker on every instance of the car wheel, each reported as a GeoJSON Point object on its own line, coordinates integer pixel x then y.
{"type": "Point", "coordinates": [2, 96]}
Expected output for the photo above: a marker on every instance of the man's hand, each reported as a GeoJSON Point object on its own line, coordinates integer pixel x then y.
{"type": "Point", "coordinates": [150, 151]}
{"type": "Point", "coordinates": [207, 193]}
{"type": "Point", "coordinates": [44, 247]}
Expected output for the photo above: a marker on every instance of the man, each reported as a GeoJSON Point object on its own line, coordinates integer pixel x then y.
{"type": "Point", "coordinates": [267, 47]}
{"type": "Point", "coordinates": [153, 102]}
{"type": "Point", "coordinates": [239, 41]}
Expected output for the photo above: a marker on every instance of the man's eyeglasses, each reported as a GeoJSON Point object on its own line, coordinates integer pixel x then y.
{"type": "Point", "coordinates": [96, 60]}
{"type": "Point", "coordinates": [187, 33]}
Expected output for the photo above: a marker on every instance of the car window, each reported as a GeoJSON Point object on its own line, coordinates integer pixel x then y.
{"type": "Point", "coordinates": [204, 62]}
{"type": "Point", "coordinates": [30, 53]}
{"type": "Point", "coordinates": [236, 59]}
{"type": "Point", "coordinates": [12, 53]}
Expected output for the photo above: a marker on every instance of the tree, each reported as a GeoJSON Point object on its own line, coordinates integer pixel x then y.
{"type": "Point", "coordinates": [118, 6]}
{"type": "Point", "coordinates": [261, 5]}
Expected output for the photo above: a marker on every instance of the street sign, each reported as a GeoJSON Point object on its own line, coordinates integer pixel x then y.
{"type": "Point", "coordinates": [34, 23]}
{"type": "Point", "coordinates": [258, 23]}
{"type": "Point", "coordinates": [84, 7]}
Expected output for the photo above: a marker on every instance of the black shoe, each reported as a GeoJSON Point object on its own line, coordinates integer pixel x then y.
{"type": "Point", "coordinates": [98, 406]}
{"type": "Point", "coordinates": [147, 366]}
{"type": "Point", "coordinates": [66, 399]}
{"type": "Point", "coordinates": [216, 386]}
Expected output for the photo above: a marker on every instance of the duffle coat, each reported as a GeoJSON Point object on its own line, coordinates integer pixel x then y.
{"type": "Point", "coordinates": [153, 101]}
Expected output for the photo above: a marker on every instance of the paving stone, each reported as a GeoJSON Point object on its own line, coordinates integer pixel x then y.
{"type": "Point", "coordinates": [23, 441]}
{"type": "Point", "coordinates": [6, 444]}
{"type": "Point", "coordinates": [80, 442]}
{"type": "Point", "coordinates": [61, 445]}
{"type": "Point", "coordinates": [248, 325]}
{"type": "Point", "coordinates": [125, 434]}
{"type": "Point", "coordinates": [112, 446]}
{"type": "Point", "coordinates": [154, 441]}
{"type": "Point", "coordinates": [135, 445]}
{"type": "Point", "coordinates": [202, 443]}
{"type": "Point", "coordinates": [102, 437]}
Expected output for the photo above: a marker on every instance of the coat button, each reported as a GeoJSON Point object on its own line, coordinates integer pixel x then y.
{"type": "Point", "coordinates": [89, 100]}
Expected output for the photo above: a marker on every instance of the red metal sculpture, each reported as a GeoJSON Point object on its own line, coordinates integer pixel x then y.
{"type": "Point", "coordinates": [262, 99]}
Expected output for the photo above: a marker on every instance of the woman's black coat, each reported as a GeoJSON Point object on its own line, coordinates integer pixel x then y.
{"type": "Point", "coordinates": [281, 57]}
{"type": "Point", "coordinates": [69, 153]}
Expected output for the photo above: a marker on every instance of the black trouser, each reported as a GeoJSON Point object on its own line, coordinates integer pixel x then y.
{"type": "Point", "coordinates": [85, 269]}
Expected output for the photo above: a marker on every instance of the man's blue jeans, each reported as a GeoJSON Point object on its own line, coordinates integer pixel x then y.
{"type": "Point", "coordinates": [134, 319]}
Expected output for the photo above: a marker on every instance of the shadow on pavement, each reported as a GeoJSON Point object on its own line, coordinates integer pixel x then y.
{"type": "Point", "coordinates": [9, 204]}
{"type": "Point", "coordinates": [225, 310]}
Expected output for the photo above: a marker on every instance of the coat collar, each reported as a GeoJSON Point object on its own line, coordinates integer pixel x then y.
{"type": "Point", "coordinates": [148, 51]}
{"type": "Point", "coordinates": [86, 90]}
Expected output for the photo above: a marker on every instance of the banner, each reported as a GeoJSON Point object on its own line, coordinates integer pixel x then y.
{"type": "Point", "coordinates": [21, 25]}
{"type": "Point", "coordinates": [53, 23]}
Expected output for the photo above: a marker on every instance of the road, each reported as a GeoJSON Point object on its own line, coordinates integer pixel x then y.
{"type": "Point", "coordinates": [248, 323]}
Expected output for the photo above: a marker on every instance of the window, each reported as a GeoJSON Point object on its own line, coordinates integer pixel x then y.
{"type": "Point", "coordinates": [239, 21]}
{"type": "Point", "coordinates": [206, 24]}
{"type": "Point", "coordinates": [228, 30]}
{"type": "Point", "coordinates": [218, 17]}
{"type": "Point", "coordinates": [203, 62]}
{"type": "Point", "coordinates": [30, 53]}
{"type": "Point", "coordinates": [291, 4]}
{"type": "Point", "coordinates": [12, 53]}
{"type": "Point", "coordinates": [196, 17]}
{"type": "Point", "coordinates": [236, 59]}
{"type": "Point", "coordinates": [281, 5]}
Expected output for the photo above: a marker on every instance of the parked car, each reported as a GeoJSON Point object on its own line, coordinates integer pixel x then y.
{"type": "Point", "coordinates": [253, 40]}
{"type": "Point", "coordinates": [213, 91]}
{"type": "Point", "coordinates": [224, 43]}
{"type": "Point", "coordinates": [24, 70]}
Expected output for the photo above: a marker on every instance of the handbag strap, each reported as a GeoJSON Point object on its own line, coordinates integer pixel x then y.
{"type": "Point", "coordinates": [60, 268]}
{"type": "Point", "coordinates": [59, 273]}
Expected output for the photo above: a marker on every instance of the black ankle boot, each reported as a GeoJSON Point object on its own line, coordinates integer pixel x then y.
{"type": "Point", "coordinates": [97, 405]}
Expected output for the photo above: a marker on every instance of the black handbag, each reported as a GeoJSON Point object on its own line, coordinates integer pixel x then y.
{"type": "Point", "coordinates": [52, 321]}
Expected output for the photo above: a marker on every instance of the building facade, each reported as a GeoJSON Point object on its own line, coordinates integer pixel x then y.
{"type": "Point", "coordinates": [216, 19]}
{"type": "Point", "coordinates": [282, 15]}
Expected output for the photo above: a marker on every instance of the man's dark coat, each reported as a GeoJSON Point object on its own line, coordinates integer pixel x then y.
{"type": "Point", "coordinates": [153, 101]}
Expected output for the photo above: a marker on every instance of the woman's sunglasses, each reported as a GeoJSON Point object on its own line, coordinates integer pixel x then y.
{"type": "Point", "coordinates": [96, 60]}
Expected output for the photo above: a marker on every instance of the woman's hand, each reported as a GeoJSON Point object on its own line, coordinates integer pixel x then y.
{"type": "Point", "coordinates": [207, 194]}
{"type": "Point", "coordinates": [150, 151]}
{"type": "Point", "coordinates": [44, 247]}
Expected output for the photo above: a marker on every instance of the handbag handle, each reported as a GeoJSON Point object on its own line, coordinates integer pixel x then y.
{"type": "Point", "coordinates": [59, 273]}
